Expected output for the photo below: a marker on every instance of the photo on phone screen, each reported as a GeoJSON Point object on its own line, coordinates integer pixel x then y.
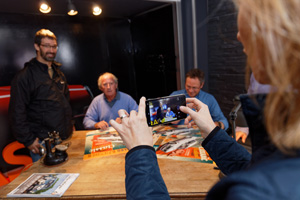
{"type": "Point", "coordinates": [165, 109]}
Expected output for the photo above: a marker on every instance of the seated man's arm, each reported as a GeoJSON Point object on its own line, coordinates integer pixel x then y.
{"type": "Point", "coordinates": [92, 117]}
{"type": "Point", "coordinates": [217, 114]}
{"type": "Point", "coordinates": [132, 105]}
{"type": "Point", "coordinates": [172, 114]}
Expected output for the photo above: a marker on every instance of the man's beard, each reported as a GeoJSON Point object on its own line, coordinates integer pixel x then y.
{"type": "Point", "coordinates": [45, 56]}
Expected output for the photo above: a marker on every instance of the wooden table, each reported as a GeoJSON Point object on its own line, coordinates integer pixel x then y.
{"type": "Point", "coordinates": [104, 177]}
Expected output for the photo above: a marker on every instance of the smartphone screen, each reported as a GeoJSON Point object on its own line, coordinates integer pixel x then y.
{"type": "Point", "coordinates": [165, 109]}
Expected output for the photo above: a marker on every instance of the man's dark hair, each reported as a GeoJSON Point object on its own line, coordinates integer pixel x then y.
{"type": "Point", "coordinates": [42, 34]}
{"type": "Point", "coordinates": [195, 73]}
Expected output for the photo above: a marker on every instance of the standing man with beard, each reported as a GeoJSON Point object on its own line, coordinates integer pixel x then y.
{"type": "Point", "coordinates": [39, 101]}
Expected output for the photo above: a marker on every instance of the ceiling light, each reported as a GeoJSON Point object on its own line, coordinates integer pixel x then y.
{"type": "Point", "coordinates": [97, 10]}
{"type": "Point", "coordinates": [72, 9]}
{"type": "Point", "coordinates": [72, 12]}
{"type": "Point", "coordinates": [44, 7]}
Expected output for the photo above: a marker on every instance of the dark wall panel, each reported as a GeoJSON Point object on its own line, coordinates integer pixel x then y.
{"type": "Point", "coordinates": [187, 34]}
{"type": "Point", "coordinates": [153, 42]}
{"type": "Point", "coordinates": [87, 47]}
{"type": "Point", "coordinates": [121, 56]}
{"type": "Point", "coordinates": [225, 54]}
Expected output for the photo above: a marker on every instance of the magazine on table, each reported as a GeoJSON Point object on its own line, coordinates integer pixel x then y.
{"type": "Point", "coordinates": [180, 143]}
{"type": "Point", "coordinates": [100, 143]}
{"type": "Point", "coordinates": [175, 142]}
{"type": "Point", "coordinates": [44, 185]}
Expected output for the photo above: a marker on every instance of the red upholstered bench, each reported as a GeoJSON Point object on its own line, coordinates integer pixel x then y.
{"type": "Point", "coordinates": [14, 156]}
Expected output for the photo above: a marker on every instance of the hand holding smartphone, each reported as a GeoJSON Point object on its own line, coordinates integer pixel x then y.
{"type": "Point", "coordinates": [165, 109]}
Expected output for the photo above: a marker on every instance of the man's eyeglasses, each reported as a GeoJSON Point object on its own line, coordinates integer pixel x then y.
{"type": "Point", "coordinates": [193, 88]}
{"type": "Point", "coordinates": [47, 46]}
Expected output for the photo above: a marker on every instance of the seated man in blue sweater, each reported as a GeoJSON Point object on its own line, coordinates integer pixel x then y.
{"type": "Point", "coordinates": [105, 106]}
{"type": "Point", "coordinates": [194, 81]}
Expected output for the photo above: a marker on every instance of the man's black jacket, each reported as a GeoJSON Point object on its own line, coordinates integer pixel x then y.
{"type": "Point", "coordinates": [39, 104]}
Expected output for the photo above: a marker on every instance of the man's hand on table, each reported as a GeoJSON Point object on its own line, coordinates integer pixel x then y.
{"type": "Point", "coordinates": [101, 125]}
{"type": "Point", "coordinates": [34, 147]}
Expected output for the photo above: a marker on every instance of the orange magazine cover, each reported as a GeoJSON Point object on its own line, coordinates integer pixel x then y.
{"type": "Point", "coordinates": [103, 143]}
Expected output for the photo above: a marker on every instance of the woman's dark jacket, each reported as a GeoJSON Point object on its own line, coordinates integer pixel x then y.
{"type": "Point", "coordinates": [267, 174]}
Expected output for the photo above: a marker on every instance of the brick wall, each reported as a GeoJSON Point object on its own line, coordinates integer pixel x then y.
{"type": "Point", "coordinates": [226, 61]}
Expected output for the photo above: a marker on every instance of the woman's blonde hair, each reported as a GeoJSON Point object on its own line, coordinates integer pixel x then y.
{"type": "Point", "coordinates": [275, 33]}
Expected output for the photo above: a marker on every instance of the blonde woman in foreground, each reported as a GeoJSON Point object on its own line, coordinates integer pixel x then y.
{"type": "Point", "coordinates": [269, 31]}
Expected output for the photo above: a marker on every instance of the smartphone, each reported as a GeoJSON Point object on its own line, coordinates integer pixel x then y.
{"type": "Point", "coordinates": [165, 109]}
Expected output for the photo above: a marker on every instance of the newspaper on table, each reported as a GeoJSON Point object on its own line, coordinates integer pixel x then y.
{"type": "Point", "coordinates": [44, 185]}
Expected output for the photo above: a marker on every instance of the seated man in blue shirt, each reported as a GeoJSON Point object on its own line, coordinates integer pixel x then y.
{"type": "Point", "coordinates": [105, 106]}
{"type": "Point", "coordinates": [170, 113]}
{"type": "Point", "coordinates": [194, 81]}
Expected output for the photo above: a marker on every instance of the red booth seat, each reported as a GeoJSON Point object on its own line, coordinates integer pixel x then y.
{"type": "Point", "coordinates": [14, 156]}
